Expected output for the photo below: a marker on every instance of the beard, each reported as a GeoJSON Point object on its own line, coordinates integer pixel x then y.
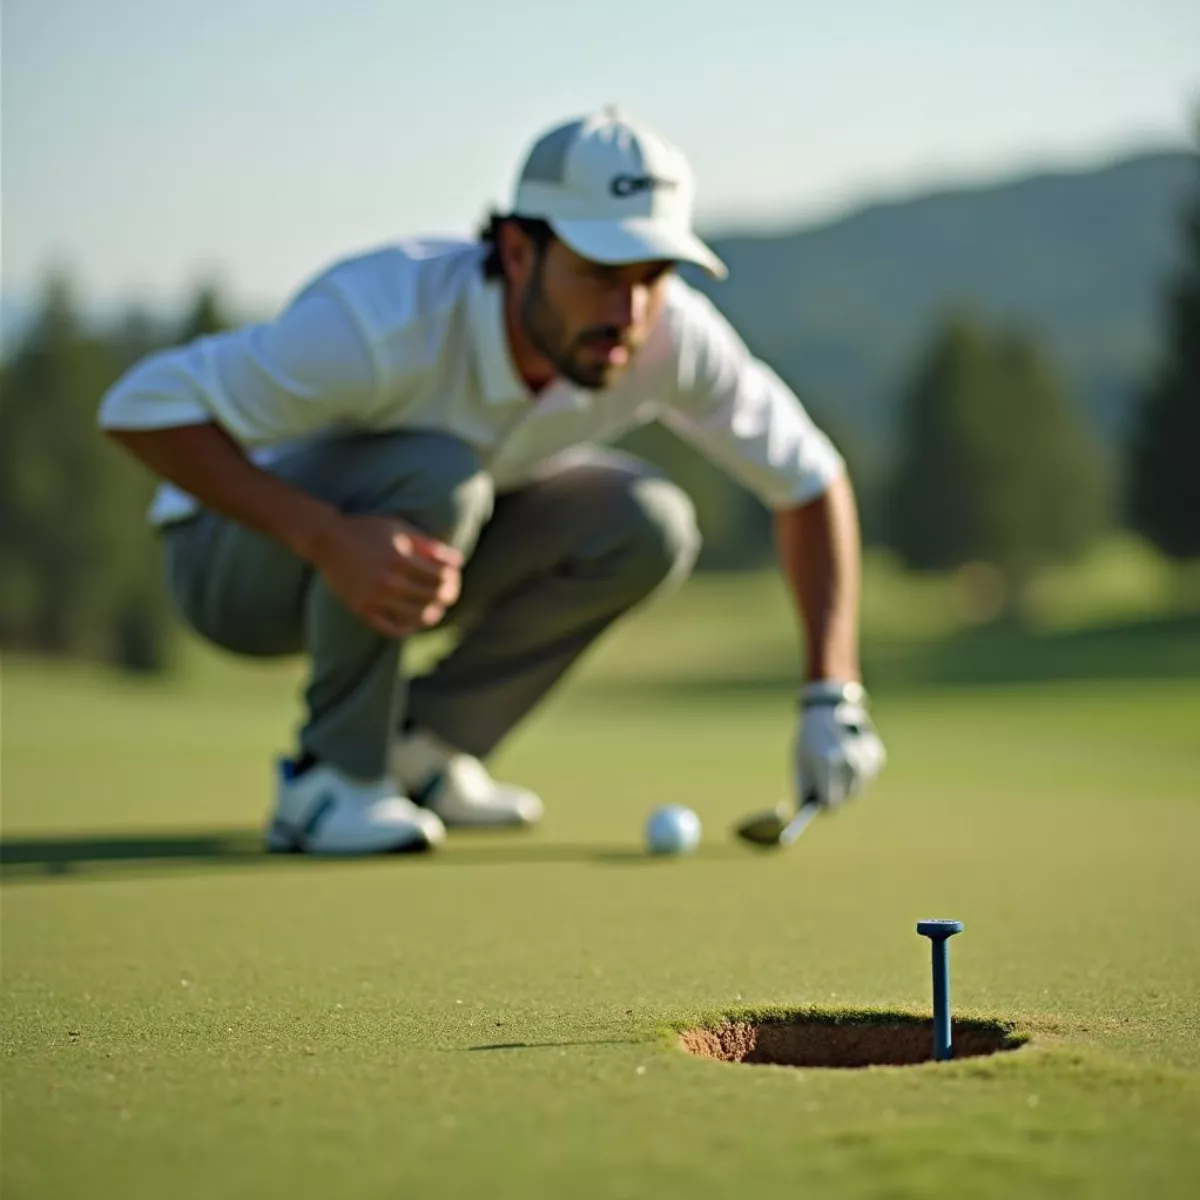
{"type": "Point", "coordinates": [543, 325]}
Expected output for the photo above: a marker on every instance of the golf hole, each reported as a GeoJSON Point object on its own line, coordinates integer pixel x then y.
{"type": "Point", "coordinates": [853, 1040]}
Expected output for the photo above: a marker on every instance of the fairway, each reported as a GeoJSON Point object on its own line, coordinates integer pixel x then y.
{"type": "Point", "coordinates": [183, 1016]}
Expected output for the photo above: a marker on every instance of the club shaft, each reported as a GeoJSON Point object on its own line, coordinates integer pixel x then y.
{"type": "Point", "coordinates": [797, 825]}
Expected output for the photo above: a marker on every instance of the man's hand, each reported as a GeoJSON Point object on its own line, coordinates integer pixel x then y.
{"type": "Point", "coordinates": [838, 751]}
{"type": "Point", "coordinates": [389, 574]}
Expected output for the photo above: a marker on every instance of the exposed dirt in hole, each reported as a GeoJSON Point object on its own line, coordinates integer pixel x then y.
{"type": "Point", "coordinates": [816, 1043]}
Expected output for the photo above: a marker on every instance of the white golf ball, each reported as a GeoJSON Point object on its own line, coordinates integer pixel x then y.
{"type": "Point", "coordinates": [672, 829]}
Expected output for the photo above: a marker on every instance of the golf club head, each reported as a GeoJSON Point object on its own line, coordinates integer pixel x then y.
{"type": "Point", "coordinates": [778, 826]}
{"type": "Point", "coordinates": [764, 828]}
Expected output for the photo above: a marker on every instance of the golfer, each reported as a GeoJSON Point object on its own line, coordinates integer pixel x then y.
{"type": "Point", "coordinates": [418, 439]}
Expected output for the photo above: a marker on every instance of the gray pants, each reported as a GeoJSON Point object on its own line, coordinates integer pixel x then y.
{"type": "Point", "coordinates": [549, 567]}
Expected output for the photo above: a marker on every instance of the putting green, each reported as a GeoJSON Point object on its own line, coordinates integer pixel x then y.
{"type": "Point", "coordinates": [184, 1017]}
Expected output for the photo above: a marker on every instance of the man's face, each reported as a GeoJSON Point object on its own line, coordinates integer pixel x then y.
{"type": "Point", "coordinates": [587, 319]}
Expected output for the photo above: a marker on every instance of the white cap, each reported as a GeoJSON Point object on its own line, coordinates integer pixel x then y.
{"type": "Point", "coordinates": [615, 191]}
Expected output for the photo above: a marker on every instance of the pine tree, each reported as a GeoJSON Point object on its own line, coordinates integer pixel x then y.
{"type": "Point", "coordinates": [930, 521]}
{"type": "Point", "coordinates": [52, 499]}
{"type": "Point", "coordinates": [996, 466]}
{"type": "Point", "coordinates": [1165, 457]}
{"type": "Point", "coordinates": [205, 315]}
{"type": "Point", "coordinates": [79, 573]}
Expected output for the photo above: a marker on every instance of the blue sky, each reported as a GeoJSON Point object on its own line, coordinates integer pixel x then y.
{"type": "Point", "coordinates": [150, 143]}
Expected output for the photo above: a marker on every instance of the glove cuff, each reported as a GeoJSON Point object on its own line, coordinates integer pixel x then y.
{"type": "Point", "coordinates": [826, 693]}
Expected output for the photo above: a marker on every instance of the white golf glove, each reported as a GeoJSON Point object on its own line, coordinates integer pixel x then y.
{"type": "Point", "coordinates": [838, 751]}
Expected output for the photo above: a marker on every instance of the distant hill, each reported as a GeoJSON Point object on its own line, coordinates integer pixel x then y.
{"type": "Point", "coordinates": [841, 309]}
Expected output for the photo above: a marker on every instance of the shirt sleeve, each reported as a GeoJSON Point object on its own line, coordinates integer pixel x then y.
{"type": "Point", "coordinates": [738, 412]}
{"type": "Point", "coordinates": [263, 383]}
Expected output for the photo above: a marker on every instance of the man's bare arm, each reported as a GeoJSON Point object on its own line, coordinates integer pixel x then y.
{"type": "Point", "coordinates": [821, 554]}
{"type": "Point", "coordinates": [391, 575]}
{"type": "Point", "coordinates": [838, 751]}
{"type": "Point", "coordinates": [208, 464]}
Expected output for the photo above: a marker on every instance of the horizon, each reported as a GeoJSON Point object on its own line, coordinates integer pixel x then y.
{"type": "Point", "coordinates": [16, 311]}
{"type": "Point", "coordinates": [151, 144]}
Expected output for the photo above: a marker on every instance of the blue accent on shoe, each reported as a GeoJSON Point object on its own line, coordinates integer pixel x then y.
{"type": "Point", "coordinates": [293, 768]}
{"type": "Point", "coordinates": [422, 795]}
{"type": "Point", "coordinates": [321, 810]}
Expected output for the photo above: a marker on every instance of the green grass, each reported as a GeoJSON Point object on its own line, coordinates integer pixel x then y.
{"type": "Point", "coordinates": [182, 1016]}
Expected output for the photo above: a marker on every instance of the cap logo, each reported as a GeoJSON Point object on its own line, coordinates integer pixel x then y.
{"type": "Point", "coordinates": [631, 185]}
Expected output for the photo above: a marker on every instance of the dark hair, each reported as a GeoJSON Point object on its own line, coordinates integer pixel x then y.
{"type": "Point", "coordinates": [534, 228]}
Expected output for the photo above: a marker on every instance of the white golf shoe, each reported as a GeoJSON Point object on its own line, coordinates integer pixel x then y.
{"type": "Point", "coordinates": [323, 811]}
{"type": "Point", "coordinates": [457, 787]}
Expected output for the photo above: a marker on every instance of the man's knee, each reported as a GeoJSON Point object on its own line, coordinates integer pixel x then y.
{"type": "Point", "coordinates": [466, 495]}
{"type": "Point", "coordinates": [661, 530]}
{"type": "Point", "coordinates": [437, 483]}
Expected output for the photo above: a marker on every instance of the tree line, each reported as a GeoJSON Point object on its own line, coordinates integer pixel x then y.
{"type": "Point", "coordinates": [79, 567]}
{"type": "Point", "coordinates": [994, 469]}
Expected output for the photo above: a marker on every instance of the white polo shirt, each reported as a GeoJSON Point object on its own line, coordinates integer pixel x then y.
{"type": "Point", "coordinates": [412, 336]}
